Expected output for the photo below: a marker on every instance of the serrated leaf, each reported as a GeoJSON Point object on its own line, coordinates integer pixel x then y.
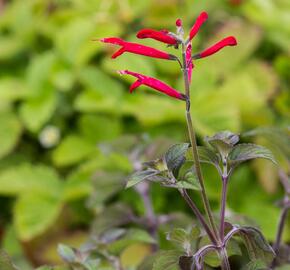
{"type": "Point", "coordinates": [5, 261]}
{"type": "Point", "coordinates": [223, 141]}
{"type": "Point", "coordinates": [66, 252]}
{"type": "Point", "coordinates": [138, 177]}
{"type": "Point", "coordinates": [175, 157]}
{"type": "Point", "coordinates": [206, 155]}
{"type": "Point", "coordinates": [167, 260]}
{"type": "Point", "coordinates": [257, 245]}
{"type": "Point", "coordinates": [246, 151]}
{"type": "Point", "coordinates": [183, 238]}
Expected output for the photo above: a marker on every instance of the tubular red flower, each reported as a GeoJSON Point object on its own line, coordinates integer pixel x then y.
{"type": "Point", "coordinates": [137, 49]}
{"type": "Point", "coordinates": [162, 36]}
{"type": "Point", "coordinates": [189, 63]}
{"type": "Point", "coordinates": [153, 83]}
{"type": "Point", "coordinates": [198, 23]}
{"type": "Point", "coordinates": [228, 41]}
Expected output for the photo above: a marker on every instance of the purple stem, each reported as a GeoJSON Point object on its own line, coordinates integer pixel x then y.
{"type": "Point", "coordinates": [223, 207]}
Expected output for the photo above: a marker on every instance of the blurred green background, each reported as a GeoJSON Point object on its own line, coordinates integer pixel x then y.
{"type": "Point", "coordinates": [61, 101]}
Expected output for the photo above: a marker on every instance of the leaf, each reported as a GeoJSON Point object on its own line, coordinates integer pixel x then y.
{"type": "Point", "coordinates": [223, 141]}
{"type": "Point", "coordinates": [66, 252]}
{"type": "Point", "coordinates": [246, 151]}
{"type": "Point", "coordinates": [175, 157]}
{"type": "Point", "coordinates": [5, 261]}
{"type": "Point", "coordinates": [255, 265]}
{"type": "Point", "coordinates": [138, 177]}
{"type": "Point", "coordinates": [35, 213]}
{"type": "Point", "coordinates": [113, 216]}
{"type": "Point", "coordinates": [36, 111]}
{"type": "Point", "coordinates": [132, 236]}
{"type": "Point", "coordinates": [206, 155]}
{"type": "Point", "coordinates": [26, 178]}
{"type": "Point", "coordinates": [72, 150]}
{"type": "Point", "coordinates": [183, 238]}
{"type": "Point", "coordinates": [257, 245]}
{"type": "Point", "coordinates": [10, 132]}
{"type": "Point", "coordinates": [167, 260]}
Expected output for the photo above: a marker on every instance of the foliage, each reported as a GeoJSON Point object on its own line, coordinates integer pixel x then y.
{"type": "Point", "coordinates": [64, 111]}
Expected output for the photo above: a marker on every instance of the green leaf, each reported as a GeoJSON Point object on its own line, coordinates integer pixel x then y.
{"type": "Point", "coordinates": [66, 252]}
{"type": "Point", "coordinates": [36, 111]}
{"type": "Point", "coordinates": [223, 142]}
{"type": "Point", "coordinates": [206, 155]}
{"type": "Point", "coordinates": [246, 151]}
{"type": "Point", "coordinates": [255, 265]}
{"type": "Point", "coordinates": [175, 157]}
{"type": "Point", "coordinates": [167, 260]}
{"type": "Point", "coordinates": [132, 236]}
{"type": "Point", "coordinates": [35, 213]}
{"type": "Point", "coordinates": [113, 216]}
{"type": "Point", "coordinates": [72, 150]}
{"type": "Point", "coordinates": [5, 261]}
{"type": "Point", "coordinates": [138, 177]}
{"type": "Point", "coordinates": [10, 132]}
{"type": "Point", "coordinates": [26, 178]}
{"type": "Point", "coordinates": [183, 238]}
{"type": "Point", "coordinates": [257, 246]}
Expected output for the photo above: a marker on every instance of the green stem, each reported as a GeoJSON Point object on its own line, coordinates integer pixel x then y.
{"type": "Point", "coordinates": [194, 147]}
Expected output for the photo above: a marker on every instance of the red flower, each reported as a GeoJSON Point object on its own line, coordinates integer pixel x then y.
{"type": "Point", "coordinates": [189, 64]}
{"type": "Point", "coordinates": [153, 83]}
{"type": "Point", "coordinates": [137, 49]}
{"type": "Point", "coordinates": [228, 41]}
{"type": "Point", "coordinates": [162, 36]}
{"type": "Point", "coordinates": [198, 23]}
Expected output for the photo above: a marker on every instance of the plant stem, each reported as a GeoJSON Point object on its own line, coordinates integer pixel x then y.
{"type": "Point", "coordinates": [281, 225]}
{"type": "Point", "coordinates": [223, 207]}
{"type": "Point", "coordinates": [192, 138]}
{"type": "Point", "coordinates": [225, 265]}
{"type": "Point", "coordinates": [152, 220]}
{"type": "Point", "coordinates": [198, 215]}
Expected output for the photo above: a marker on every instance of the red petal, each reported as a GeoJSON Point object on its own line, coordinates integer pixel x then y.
{"type": "Point", "coordinates": [157, 35]}
{"type": "Point", "coordinates": [228, 41]}
{"type": "Point", "coordinates": [137, 49]}
{"type": "Point", "coordinates": [153, 83]}
{"type": "Point", "coordinates": [189, 61]}
{"type": "Point", "coordinates": [135, 85]}
{"type": "Point", "coordinates": [198, 23]}
{"type": "Point", "coordinates": [113, 40]}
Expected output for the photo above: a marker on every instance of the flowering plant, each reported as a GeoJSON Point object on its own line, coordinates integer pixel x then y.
{"type": "Point", "coordinates": [223, 151]}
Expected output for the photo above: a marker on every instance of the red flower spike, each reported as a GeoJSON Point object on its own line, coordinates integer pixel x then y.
{"type": "Point", "coordinates": [228, 41]}
{"type": "Point", "coordinates": [178, 23]}
{"type": "Point", "coordinates": [162, 36]}
{"type": "Point", "coordinates": [189, 63]}
{"type": "Point", "coordinates": [198, 23]}
{"type": "Point", "coordinates": [137, 49]}
{"type": "Point", "coordinates": [153, 83]}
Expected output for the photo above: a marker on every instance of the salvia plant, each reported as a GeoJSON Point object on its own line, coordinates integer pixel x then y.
{"type": "Point", "coordinates": [211, 239]}
{"type": "Point", "coordinates": [182, 170]}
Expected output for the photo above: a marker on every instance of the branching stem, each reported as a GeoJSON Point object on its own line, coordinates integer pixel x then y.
{"type": "Point", "coordinates": [194, 147]}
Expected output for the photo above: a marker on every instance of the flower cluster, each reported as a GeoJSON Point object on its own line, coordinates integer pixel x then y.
{"type": "Point", "coordinates": [171, 39]}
